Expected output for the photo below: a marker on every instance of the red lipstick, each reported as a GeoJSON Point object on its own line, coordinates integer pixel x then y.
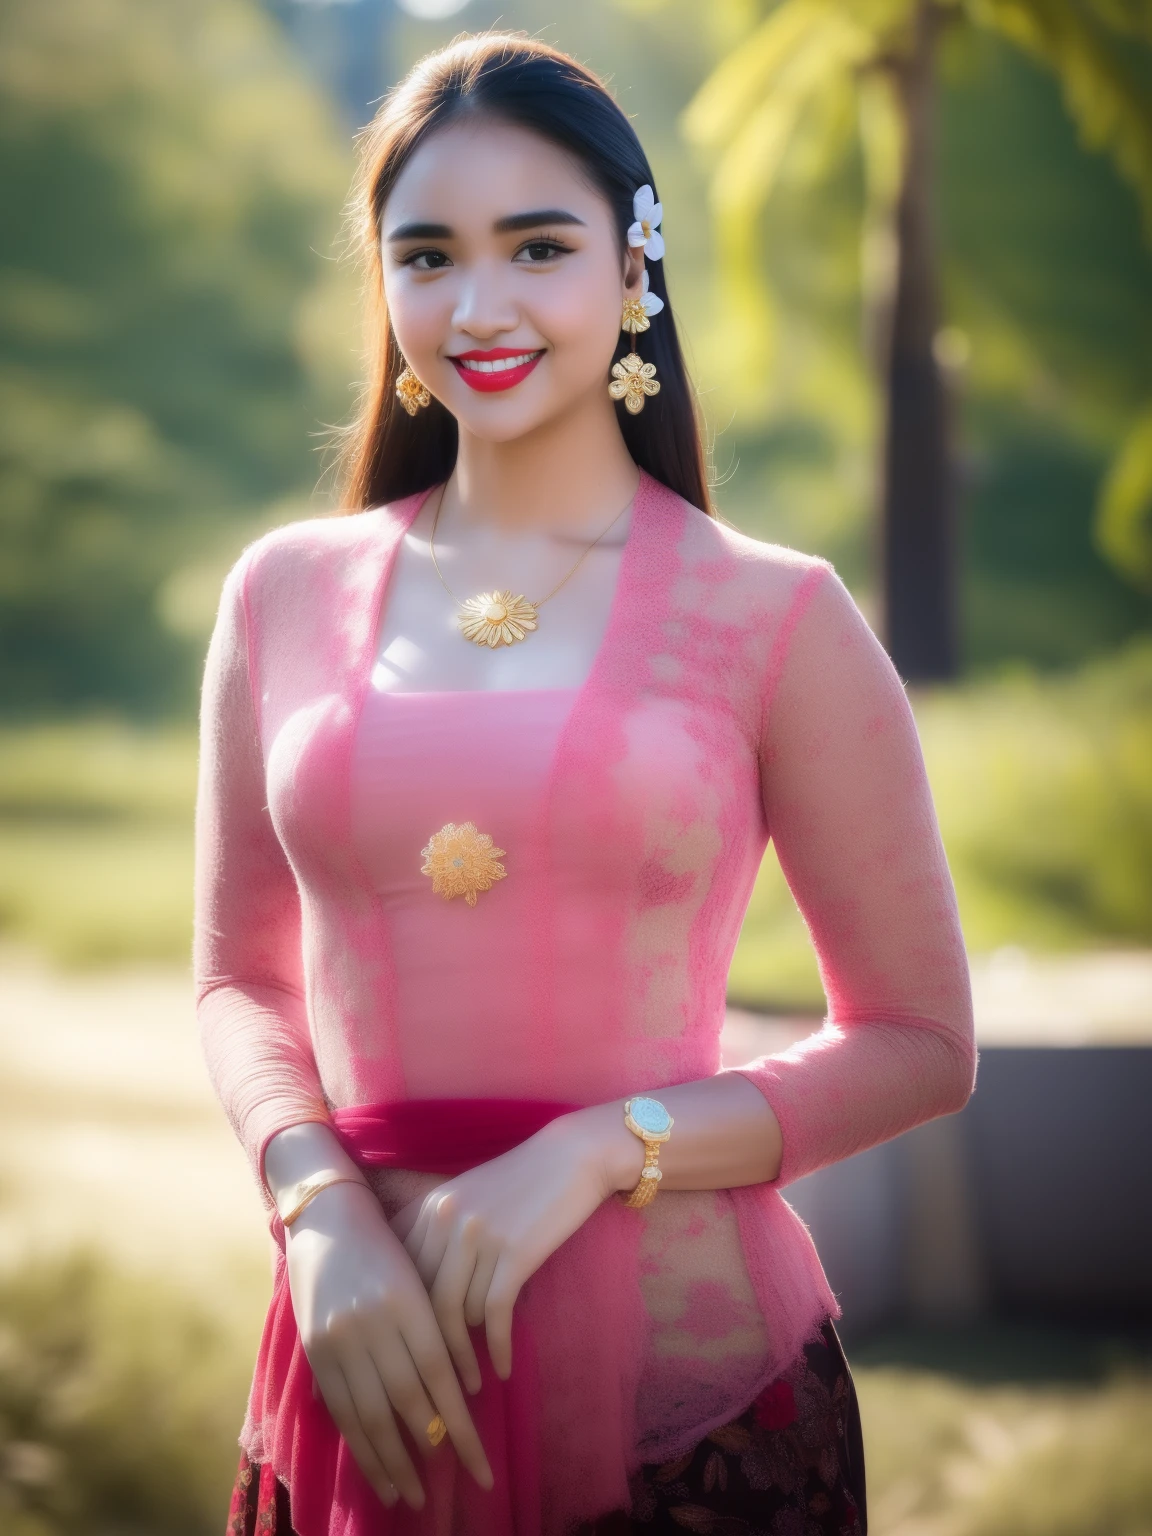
{"type": "Point", "coordinates": [487, 379]}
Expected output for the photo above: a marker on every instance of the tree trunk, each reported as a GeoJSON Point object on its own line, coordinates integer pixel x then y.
{"type": "Point", "coordinates": [918, 536]}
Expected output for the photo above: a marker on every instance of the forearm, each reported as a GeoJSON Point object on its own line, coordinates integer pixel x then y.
{"type": "Point", "coordinates": [854, 1085]}
{"type": "Point", "coordinates": [725, 1135]}
{"type": "Point", "coordinates": [255, 1045]}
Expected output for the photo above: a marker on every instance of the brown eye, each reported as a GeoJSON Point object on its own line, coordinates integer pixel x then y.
{"type": "Point", "coordinates": [542, 250]}
{"type": "Point", "coordinates": [426, 261]}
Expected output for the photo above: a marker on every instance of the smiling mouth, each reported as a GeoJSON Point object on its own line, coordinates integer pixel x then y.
{"type": "Point", "coordinates": [499, 370]}
{"type": "Point", "coordinates": [497, 365]}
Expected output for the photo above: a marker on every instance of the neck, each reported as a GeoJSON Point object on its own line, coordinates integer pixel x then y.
{"type": "Point", "coordinates": [564, 477]}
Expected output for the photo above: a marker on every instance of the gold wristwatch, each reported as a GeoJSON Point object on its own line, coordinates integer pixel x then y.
{"type": "Point", "coordinates": [648, 1119]}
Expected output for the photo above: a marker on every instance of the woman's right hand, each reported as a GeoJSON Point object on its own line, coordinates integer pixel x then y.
{"type": "Point", "coordinates": [373, 1342]}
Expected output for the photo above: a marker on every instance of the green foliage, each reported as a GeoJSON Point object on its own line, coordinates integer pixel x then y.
{"type": "Point", "coordinates": [96, 841]}
{"type": "Point", "coordinates": [1047, 283]}
{"type": "Point", "coordinates": [783, 93]}
{"type": "Point", "coordinates": [1045, 798]}
{"type": "Point", "coordinates": [120, 1404]}
{"type": "Point", "coordinates": [1125, 521]}
{"type": "Point", "coordinates": [1094, 48]}
{"type": "Point", "coordinates": [1048, 276]}
{"type": "Point", "coordinates": [168, 333]}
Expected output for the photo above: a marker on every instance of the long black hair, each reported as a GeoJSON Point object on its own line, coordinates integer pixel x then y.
{"type": "Point", "coordinates": [385, 453]}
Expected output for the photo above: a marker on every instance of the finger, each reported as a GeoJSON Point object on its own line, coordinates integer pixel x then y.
{"type": "Point", "coordinates": [428, 1240]}
{"type": "Point", "coordinates": [373, 1410]}
{"type": "Point", "coordinates": [336, 1394]}
{"type": "Point", "coordinates": [477, 1298]}
{"type": "Point", "coordinates": [415, 1234]}
{"type": "Point", "coordinates": [430, 1254]}
{"type": "Point", "coordinates": [405, 1218]}
{"type": "Point", "coordinates": [502, 1292]}
{"type": "Point", "coordinates": [447, 1294]}
{"type": "Point", "coordinates": [427, 1350]}
{"type": "Point", "coordinates": [402, 1382]}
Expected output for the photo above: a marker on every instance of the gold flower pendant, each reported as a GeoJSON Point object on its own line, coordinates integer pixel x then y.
{"type": "Point", "coordinates": [496, 618]}
{"type": "Point", "coordinates": [632, 379]}
{"type": "Point", "coordinates": [461, 861]}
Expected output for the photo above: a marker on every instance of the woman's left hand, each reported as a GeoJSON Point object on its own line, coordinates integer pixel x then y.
{"type": "Point", "coordinates": [477, 1238]}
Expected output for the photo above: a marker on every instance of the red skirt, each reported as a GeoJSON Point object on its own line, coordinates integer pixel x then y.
{"type": "Point", "coordinates": [792, 1463]}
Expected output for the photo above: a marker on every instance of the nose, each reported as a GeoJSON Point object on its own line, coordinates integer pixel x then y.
{"type": "Point", "coordinates": [484, 307]}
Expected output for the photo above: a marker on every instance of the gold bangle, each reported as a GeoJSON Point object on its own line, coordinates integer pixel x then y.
{"type": "Point", "coordinates": [306, 1191]}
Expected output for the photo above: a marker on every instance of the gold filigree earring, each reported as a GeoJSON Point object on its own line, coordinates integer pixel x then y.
{"type": "Point", "coordinates": [411, 393]}
{"type": "Point", "coordinates": [632, 378]}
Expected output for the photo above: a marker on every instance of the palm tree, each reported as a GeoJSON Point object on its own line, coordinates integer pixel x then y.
{"type": "Point", "coordinates": [760, 101]}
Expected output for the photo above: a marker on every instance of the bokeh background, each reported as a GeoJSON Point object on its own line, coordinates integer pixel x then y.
{"type": "Point", "coordinates": [966, 331]}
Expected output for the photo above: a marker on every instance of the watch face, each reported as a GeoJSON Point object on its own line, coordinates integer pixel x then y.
{"type": "Point", "coordinates": [650, 1115]}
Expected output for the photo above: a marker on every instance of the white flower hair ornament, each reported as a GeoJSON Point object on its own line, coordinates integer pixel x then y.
{"type": "Point", "coordinates": [652, 302]}
{"type": "Point", "coordinates": [647, 213]}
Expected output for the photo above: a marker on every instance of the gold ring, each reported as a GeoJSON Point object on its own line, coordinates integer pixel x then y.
{"type": "Point", "coordinates": [436, 1430]}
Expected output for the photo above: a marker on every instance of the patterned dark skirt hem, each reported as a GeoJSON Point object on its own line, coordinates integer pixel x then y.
{"type": "Point", "coordinates": [792, 1464]}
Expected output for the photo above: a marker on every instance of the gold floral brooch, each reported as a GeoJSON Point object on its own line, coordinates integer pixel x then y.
{"type": "Point", "coordinates": [461, 861]}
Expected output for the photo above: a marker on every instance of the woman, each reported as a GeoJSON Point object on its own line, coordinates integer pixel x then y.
{"type": "Point", "coordinates": [488, 769]}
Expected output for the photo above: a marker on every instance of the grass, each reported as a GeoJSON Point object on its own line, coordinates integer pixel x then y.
{"type": "Point", "coordinates": [947, 1458]}
{"type": "Point", "coordinates": [120, 1402]}
{"type": "Point", "coordinates": [1007, 1429]}
{"type": "Point", "coordinates": [1042, 787]}
{"type": "Point", "coordinates": [1045, 796]}
{"type": "Point", "coordinates": [96, 841]}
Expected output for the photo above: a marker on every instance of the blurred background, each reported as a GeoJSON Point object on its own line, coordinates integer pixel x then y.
{"type": "Point", "coordinates": [910, 250]}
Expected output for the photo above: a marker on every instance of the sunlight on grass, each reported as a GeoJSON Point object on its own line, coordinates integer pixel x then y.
{"type": "Point", "coordinates": [1044, 792]}
{"type": "Point", "coordinates": [948, 1459]}
{"type": "Point", "coordinates": [98, 768]}
{"type": "Point", "coordinates": [96, 841]}
{"type": "Point", "coordinates": [120, 1404]}
{"type": "Point", "coordinates": [95, 894]}
{"type": "Point", "coordinates": [774, 960]}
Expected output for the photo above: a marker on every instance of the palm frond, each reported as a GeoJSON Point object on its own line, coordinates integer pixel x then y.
{"type": "Point", "coordinates": [1124, 511]}
{"type": "Point", "coordinates": [747, 169]}
{"type": "Point", "coordinates": [1106, 79]}
{"type": "Point", "coordinates": [742, 79]}
{"type": "Point", "coordinates": [1131, 17]}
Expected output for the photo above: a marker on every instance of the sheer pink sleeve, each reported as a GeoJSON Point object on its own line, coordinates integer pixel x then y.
{"type": "Point", "coordinates": [247, 959]}
{"type": "Point", "coordinates": [850, 813]}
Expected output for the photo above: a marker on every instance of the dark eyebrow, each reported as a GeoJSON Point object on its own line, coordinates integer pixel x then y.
{"type": "Point", "coordinates": [419, 230]}
{"type": "Point", "coordinates": [533, 219]}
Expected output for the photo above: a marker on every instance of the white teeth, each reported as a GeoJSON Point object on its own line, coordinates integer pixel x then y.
{"type": "Point", "coordinates": [499, 365]}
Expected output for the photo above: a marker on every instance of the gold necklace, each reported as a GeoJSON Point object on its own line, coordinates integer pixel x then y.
{"type": "Point", "coordinates": [503, 618]}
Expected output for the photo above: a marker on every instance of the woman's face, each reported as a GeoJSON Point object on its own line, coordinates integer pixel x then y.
{"type": "Point", "coordinates": [497, 251]}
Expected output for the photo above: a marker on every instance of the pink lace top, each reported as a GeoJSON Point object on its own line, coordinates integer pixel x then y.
{"type": "Point", "coordinates": [737, 692]}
